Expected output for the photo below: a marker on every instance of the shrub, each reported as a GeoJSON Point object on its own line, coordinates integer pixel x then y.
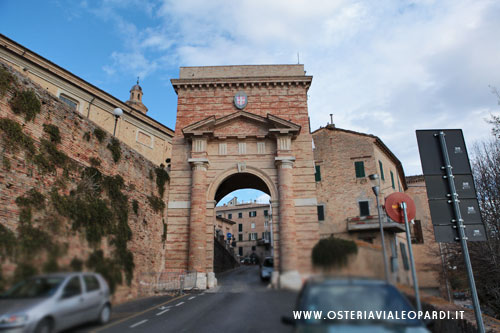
{"type": "Point", "coordinates": [14, 137]}
{"type": "Point", "coordinates": [53, 132]}
{"type": "Point", "coordinates": [99, 134]}
{"type": "Point", "coordinates": [26, 102]}
{"type": "Point", "coordinates": [6, 79]}
{"type": "Point", "coordinates": [114, 147]}
{"type": "Point", "coordinates": [156, 203]}
{"type": "Point", "coordinates": [162, 177]}
{"type": "Point", "coordinates": [333, 252]}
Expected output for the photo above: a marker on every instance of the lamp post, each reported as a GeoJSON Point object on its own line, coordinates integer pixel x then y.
{"type": "Point", "coordinates": [117, 112]}
{"type": "Point", "coordinates": [376, 190]}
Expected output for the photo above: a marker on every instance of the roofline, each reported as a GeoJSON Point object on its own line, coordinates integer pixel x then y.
{"type": "Point", "coordinates": [126, 108]}
{"type": "Point", "coordinates": [379, 143]}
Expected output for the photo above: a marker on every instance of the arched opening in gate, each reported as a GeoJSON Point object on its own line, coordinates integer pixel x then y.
{"type": "Point", "coordinates": [243, 219]}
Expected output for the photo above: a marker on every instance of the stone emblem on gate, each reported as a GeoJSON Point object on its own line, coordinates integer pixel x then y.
{"type": "Point", "coordinates": [240, 100]}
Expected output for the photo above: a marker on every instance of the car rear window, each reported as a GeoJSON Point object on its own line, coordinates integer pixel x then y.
{"type": "Point", "coordinates": [91, 283]}
{"type": "Point", "coordinates": [268, 262]}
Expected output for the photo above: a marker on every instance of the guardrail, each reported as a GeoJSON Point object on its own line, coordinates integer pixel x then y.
{"type": "Point", "coordinates": [154, 283]}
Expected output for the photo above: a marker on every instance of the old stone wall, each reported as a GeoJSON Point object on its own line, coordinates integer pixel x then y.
{"type": "Point", "coordinates": [71, 196]}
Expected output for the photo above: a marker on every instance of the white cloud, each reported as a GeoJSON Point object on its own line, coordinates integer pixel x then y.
{"type": "Point", "coordinates": [263, 198]}
{"type": "Point", "coordinates": [385, 67]}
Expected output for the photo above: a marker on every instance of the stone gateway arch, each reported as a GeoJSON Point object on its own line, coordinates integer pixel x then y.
{"type": "Point", "coordinates": [242, 127]}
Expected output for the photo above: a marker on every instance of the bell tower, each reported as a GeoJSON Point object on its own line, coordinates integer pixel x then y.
{"type": "Point", "coordinates": [135, 99]}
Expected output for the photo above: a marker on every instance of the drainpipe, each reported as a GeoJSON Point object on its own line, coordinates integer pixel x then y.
{"type": "Point", "coordinates": [90, 104]}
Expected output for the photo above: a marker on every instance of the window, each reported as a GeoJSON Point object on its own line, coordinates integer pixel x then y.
{"type": "Point", "coordinates": [404, 256]}
{"type": "Point", "coordinates": [266, 213]}
{"type": "Point", "coordinates": [240, 227]}
{"type": "Point", "coordinates": [261, 147]}
{"type": "Point", "coordinates": [321, 212]}
{"type": "Point", "coordinates": [240, 215]}
{"type": "Point", "coordinates": [242, 148]}
{"type": "Point", "coordinates": [364, 208]}
{"type": "Point", "coordinates": [252, 213]}
{"type": "Point", "coordinates": [417, 236]}
{"type": "Point", "coordinates": [392, 181]}
{"type": "Point", "coordinates": [219, 215]}
{"type": "Point", "coordinates": [222, 148]}
{"type": "Point", "coordinates": [240, 237]}
{"type": "Point", "coordinates": [91, 283]}
{"type": "Point", "coordinates": [317, 175]}
{"type": "Point", "coordinates": [229, 216]}
{"type": "Point", "coordinates": [73, 288]}
{"type": "Point", "coordinates": [359, 166]}
{"type": "Point", "coordinates": [266, 235]}
{"type": "Point", "coordinates": [252, 236]}
{"type": "Point", "coordinates": [69, 101]}
{"type": "Point", "coordinates": [240, 251]}
{"type": "Point", "coordinates": [266, 224]}
{"type": "Point", "coordinates": [253, 248]}
{"type": "Point", "coordinates": [253, 225]}
{"type": "Point", "coordinates": [381, 170]}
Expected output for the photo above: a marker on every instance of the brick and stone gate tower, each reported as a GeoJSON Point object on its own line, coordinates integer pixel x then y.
{"type": "Point", "coordinates": [242, 127]}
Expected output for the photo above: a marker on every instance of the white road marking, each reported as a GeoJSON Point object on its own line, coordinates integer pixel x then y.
{"type": "Point", "coordinates": [164, 307]}
{"type": "Point", "coordinates": [192, 297]}
{"type": "Point", "coordinates": [179, 303]}
{"type": "Point", "coordinates": [139, 323]}
{"type": "Point", "coordinates": [202, 294]}
{"type": "Point", "coordinates": [160, 313]}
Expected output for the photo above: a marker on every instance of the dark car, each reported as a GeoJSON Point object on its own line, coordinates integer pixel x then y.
{"type": "Point", "coordinates": [334, 297]}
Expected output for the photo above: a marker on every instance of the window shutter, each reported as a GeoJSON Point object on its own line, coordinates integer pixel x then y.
{"type": "Point", "coordinates": [321, 213]}
{"type": "Point", "coordinates": [360, 169]}
{"type": "Point", "coordinates": [317, 175]}
{"type": "Point", "coordinates": [381, 170]}
{"type": "Point", "coordinates": [392, 181]}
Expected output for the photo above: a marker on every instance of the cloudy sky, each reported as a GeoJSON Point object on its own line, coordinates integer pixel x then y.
{"type": "Point", "coordinates": [380, 67]}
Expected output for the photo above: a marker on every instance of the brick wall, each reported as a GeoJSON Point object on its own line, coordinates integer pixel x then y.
{"type": "Point", "coordinates": [147, 241]}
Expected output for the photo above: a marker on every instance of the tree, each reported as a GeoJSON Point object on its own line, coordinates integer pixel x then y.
{"type": "Point", "coordinates": [485, 256]}
{"type": "Point", "coordinates": [495, 120]}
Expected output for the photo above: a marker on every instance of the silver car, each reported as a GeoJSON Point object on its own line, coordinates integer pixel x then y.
{"type": "Point", "coordinates": [266, 269]}
{"type": "Point", "coordinates": [53, 302]}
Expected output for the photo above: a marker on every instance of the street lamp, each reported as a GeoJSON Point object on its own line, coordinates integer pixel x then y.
{"type": "Point", "coordinates": [117, 112]}
{"type": "Point", "coordinates": [376, 190]}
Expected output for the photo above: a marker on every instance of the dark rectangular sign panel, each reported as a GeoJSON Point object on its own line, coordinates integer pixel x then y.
{"type": "Point", "coordinates": [438, 187]}
{"type": "Point", "coordinates": [442, 212]}
{"type": "Point", "coordinates": [430, 152]}
{"type": "Point", "coordinates": [447, 234]}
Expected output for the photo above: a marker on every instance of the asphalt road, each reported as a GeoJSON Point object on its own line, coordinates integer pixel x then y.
{"type": "Point", "coordinates": [241, 303]}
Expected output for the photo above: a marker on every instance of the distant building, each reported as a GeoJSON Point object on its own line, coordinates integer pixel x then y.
{"type": "Point", "coordinates": [147, 136]}
{"type": "Point", "coordinates": [427, 252]}
{"type": "Point", "coordinates": [252, 230]}
{"type": "Point", "coordinates": [347, 206]}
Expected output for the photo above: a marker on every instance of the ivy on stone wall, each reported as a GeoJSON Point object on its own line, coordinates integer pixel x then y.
{"type": "Point", "coordinates": [99, 134]}
{"type": "Point", "coordinates": [162, 177]}
{"type": "Point", "coordinates": [14, 138]}
{"type": "Point", "coordinates": [26, 103]}
{"type": "Point", "coordinates": [6, 79]}
{"type": "Point", "coordinates": [156, 203]}
{"type": "Point", "coordinates": [114, 147]}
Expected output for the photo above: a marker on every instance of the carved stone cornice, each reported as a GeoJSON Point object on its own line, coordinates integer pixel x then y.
{"type": "Point", "coordinates": [273, 81]}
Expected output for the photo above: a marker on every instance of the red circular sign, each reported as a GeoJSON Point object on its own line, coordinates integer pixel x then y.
{"type": "Point", "coordinates": [393, 207]}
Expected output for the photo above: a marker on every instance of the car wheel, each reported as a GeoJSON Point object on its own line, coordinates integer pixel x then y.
{"type": "Point", "coordinates": [105, 314]}
{"type": "Point", "coordinates": [44, 326]}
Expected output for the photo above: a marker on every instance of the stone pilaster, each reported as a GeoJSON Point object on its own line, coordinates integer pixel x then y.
{"type": "Point", "coordinates": [287, 233]}
{"type": "Point", "coordinates": [197, 225]}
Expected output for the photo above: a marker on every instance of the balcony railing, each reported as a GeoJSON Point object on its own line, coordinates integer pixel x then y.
{"type": "Point", "coordinates": [370, 223]}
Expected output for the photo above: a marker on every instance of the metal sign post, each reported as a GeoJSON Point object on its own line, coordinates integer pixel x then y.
{"type": "Point", "coordinates": [412, 261]}
{"type": "Point", "coordinates": [461, 230]}
{"type": "Point", "coordinates": [400, 207]}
